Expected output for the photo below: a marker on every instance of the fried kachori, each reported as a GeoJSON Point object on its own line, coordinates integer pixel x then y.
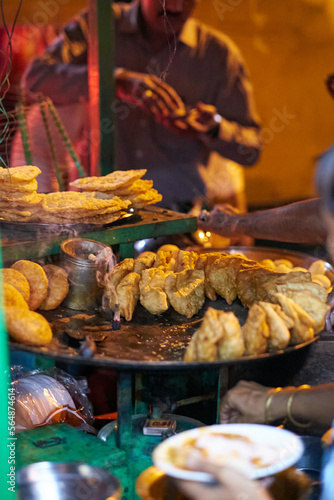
{"type": "Point", "coordinates": [17, 280]}
{"type": "Point", "coordinates": [13, 298]}
{"type": "Point", "coordinates": [27, 327]}
{"type": "Point", "coordinates": [57, 289]}
{"type": "Point", "coordinates": [37, 279]}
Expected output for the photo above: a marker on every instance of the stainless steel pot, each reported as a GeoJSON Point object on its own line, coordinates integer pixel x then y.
{"type": "Point", "coordinates": [77, 258]}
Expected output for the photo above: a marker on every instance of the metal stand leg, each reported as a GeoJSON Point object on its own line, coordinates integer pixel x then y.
{"type": "Point", "coordinates": [124, 409]}
{"type": "Point", "coordinates": [222, 386]}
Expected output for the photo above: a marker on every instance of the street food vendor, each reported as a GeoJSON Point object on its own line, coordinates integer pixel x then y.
{"type": "Point", "coordinates": [183, 91]}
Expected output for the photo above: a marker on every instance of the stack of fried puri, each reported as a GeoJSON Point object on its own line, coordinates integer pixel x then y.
{"type": "Point", "coordinates": [127, 185]}
{"type": "Point", "coordinates": [27, 286]}
{"type": "Point", "coordinates": [19, 200]}
{"type": "Point", "coordinates": [89, 208]}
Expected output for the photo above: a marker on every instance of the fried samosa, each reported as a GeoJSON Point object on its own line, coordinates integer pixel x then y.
{"type": "Point", "coordinates": [185, 291]}
{"type": "Point", "coordinates": [152, 290]}
{"type": "Point", "coordinates": [302, 329]}
{"type": "Point", "coordinates": [127, 293]}
{"type": "Point", "coordinates": [279, 335]}
{"type": "Point", "coordinates": [255, 331]}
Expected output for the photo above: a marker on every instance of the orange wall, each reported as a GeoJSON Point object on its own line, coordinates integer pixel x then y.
{"type": "Point", "coordinates": [289, 49]}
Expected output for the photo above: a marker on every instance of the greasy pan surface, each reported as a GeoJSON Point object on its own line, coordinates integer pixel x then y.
{"type": "Point", "coordinates": [148, 342]}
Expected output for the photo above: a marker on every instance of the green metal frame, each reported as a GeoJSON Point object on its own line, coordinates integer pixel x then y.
{"type": "Point", "coordinates": [154, 222]}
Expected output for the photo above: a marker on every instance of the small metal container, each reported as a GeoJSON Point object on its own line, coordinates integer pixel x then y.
{"type": "Point", "coordinates": [84, 290]}
{"type": "Point", "coordinates": [64, 481]}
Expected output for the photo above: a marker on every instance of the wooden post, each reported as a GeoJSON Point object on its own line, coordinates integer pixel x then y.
{"type": "Point", "coordinates": [101, 62]}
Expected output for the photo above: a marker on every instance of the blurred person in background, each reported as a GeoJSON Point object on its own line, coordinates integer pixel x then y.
{"type": "Point", "coordinates": [182, 93]}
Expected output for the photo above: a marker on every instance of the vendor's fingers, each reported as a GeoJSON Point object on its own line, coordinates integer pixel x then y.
{"type": "Point", "coordinates": [169, 100]}
{"type": "Point", "coordinates": [174, 98]}
{"type": "Point", "coordinates": [199, 491]}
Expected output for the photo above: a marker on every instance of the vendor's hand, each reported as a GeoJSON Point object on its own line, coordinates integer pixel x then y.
{"type": "Point", "coordinates": [244, 403]}
{"type": "Point", "coordinates": [231, 484]}
{"type": "Point", "coordinates": [221, 220]}
{"type": "Point", "coordinates": [201, 121]}
{"type": "Point", "coordinates": [150, 93]}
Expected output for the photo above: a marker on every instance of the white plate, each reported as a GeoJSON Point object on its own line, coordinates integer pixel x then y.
{"type": "Point", "coordinates": [289, 446]}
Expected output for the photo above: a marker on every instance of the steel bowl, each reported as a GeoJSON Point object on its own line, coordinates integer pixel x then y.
{"type": "Point", "coordinates": [66, 481]}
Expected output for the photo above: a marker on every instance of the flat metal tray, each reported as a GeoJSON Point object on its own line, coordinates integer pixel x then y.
{"type": "Point", "coordinates": [45, 228]}
{"type": "Point", "coordinates": [151, 342]}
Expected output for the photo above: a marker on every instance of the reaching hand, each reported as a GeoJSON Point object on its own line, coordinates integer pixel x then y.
{"type": "Point", "coordinates": [244, 403]}
{"type": "Point", "coordinates": [220, 220]}
{"type": "Point", "coordinates": [231, 484]}
{"type": "Point", "coordinates": [150, 93]}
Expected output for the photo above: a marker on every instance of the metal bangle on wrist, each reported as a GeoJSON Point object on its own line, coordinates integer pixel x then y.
{"type": "Point", "coordinates": [289, 412]}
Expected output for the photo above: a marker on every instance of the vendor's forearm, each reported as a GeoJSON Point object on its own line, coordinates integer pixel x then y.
{"type": "Point", "coordinates": [237, 143]}
{"type": "Point", "coordinates": [299, 222]}
{"type": "Point", "coordinates": [314, 406]}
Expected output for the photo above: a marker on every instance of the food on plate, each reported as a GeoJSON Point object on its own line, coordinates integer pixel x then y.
{"type": "Point", "coordinates": [302, 328]}
{"type": "Point", "coordinates": [256, 331]}
{"type": "Point", "coordinates": [58, 287]}
{"type": "Point", "coordinates": [127, 293]}
{"type": "Point", "coordinates": [153, 295]}
{"type": "Point", "coordinates": [219, 337]}
{"type": "Point", "coordinates": [27, 327]}
{"type": "Point", "coordinates": [144, 261]}
{"type": "Point", "coordinates": [17, 280]}
{"type": "Point", "coordinates": [37, 279]}
{"type": "Point", "coordinates": [185, 291]}
{"type": "Point", "coordinates": [224, 449]}
{"type": "Point", "coordinates": [13, 298]}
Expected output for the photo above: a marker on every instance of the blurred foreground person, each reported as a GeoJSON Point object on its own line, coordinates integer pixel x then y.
{"type": "Point", "coordinates": [183, 92]}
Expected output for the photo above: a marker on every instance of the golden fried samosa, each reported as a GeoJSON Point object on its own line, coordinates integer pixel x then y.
{"type": "Point", "coordinates": [205, 262]}
{"type": "Point", "coordinates": [113, 278]}
{"type": "Point", "coordinates": [279, 335]}
{"type": "Point", "coordinates": [255, 331]}
{"type": "Point", "coordinates": [315, 307]}
{"type": "Point", "coordinates": [185, 291]}
{"type": "Point", "coordinates": [127, 293]}
{"type": "Point", "coordinates": [231, 345]}
{"type": "Point", "coordinates": [144, 261]}
{"type": "Point", "coordinates": [223, 276]}
{"type": "Point", "coordinates": [250, 281]}
{"type": "Point", "coordinates": [302, 329]}
{"type": "Point", "coordinates": [152, 290]}
{"type": "Point", "coordinates": [204, 343]}
{"type": "Point", "coordinates": [185, 260]}
{"type": "Point", "coordinates": [166, 259]}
